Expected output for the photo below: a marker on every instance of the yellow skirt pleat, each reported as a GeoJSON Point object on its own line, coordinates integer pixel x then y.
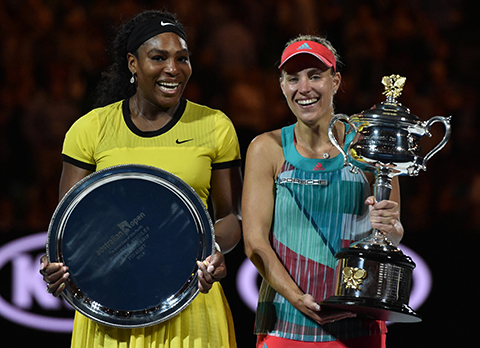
{"type": "Point", "coordinates": [206, 323]}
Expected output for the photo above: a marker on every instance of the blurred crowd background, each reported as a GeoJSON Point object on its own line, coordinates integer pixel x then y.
{"type": "Point", "coordinates": [53, 52]}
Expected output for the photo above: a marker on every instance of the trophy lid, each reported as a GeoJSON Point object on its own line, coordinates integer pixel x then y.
{"type": "Point", "coordinates": [390, 111]}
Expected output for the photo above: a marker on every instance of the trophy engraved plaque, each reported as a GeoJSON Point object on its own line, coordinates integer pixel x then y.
{"type": "Point", "coordinates": [373, 277]}
{"type": "Point", "coordinates": [131, 236]}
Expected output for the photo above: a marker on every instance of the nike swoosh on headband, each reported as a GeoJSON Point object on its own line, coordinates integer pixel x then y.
{"type": "Point", "coordinates": [162, 23]}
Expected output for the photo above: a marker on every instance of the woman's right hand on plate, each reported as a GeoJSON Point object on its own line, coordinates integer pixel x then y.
{"type": "Point", "coordinates": [54, 274]}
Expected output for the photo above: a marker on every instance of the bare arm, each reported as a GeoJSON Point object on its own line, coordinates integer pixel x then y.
{"type": "Point", "coordinates": [226, 190]}
{"type": "Point", "coordinates": [70, 176]}
{"type": "Point", "coordinates": [55, 274]}
{"type": "Point", "coordinates": [257, 210]}
{"type": "Point", "coordinates": [226, 194]}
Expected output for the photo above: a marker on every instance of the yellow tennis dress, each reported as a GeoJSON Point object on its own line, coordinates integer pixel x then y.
{"type": "Point", "coordinates": [196, 141]}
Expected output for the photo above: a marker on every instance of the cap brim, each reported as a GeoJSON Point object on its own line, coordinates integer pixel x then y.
{"type": "Point", "coordinates": [316, 55]}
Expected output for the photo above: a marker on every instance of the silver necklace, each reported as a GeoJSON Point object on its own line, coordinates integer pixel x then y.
{"type": "Point", "coordinates": [326, 155]}
{"type": "Point", "coordinates": [146, 119]}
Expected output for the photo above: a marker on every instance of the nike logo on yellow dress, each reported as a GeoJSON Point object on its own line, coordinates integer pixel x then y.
{"type": "Point", "coordinates": [182, 141]}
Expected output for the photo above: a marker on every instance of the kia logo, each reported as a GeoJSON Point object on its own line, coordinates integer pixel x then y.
{"type": "Point", "coordinates": [28, 287]}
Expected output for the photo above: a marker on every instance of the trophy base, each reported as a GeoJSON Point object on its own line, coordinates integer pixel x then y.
{"type": "Point", "coordinates": [373, 309]}
{"type": "Point", "coordinates": [374, 279]}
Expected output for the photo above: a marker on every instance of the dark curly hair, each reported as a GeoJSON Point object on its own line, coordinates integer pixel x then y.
{"type": "Point", "coordinates": [115, 82]}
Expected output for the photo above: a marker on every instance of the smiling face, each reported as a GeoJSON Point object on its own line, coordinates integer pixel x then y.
{"type": "Point", "coordinates": [162, 69]}
{"type": "Point", "coordinates": [309, 87]}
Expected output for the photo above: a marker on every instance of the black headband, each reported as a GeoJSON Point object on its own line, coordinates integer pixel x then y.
{"type": "Point", "coordinates": [151, 28]}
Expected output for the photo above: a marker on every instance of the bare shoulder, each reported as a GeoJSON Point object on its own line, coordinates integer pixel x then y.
{"type": "Point", "coordinates": [266, 151]}
{"type": "Point", "coordinates": [267, 142]}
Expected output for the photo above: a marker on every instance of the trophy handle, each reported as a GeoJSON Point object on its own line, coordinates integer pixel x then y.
{"type": "Point", "coordinates": [335, 119]}
{"type": "Point", "coordinates": [448, 131]}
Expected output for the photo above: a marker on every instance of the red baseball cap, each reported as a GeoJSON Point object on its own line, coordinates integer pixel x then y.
{"type": "Point", "coordinates": [311, 47]}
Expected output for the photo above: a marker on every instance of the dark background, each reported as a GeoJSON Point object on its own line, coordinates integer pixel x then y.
{"type": "Point", "coordinates": [53, 52]}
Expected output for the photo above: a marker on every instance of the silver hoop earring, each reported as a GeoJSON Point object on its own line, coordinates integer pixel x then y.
{"type": "Point", "coordinates": [132, 80]}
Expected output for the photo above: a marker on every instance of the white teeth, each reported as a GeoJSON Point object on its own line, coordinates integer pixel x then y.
{"type": "Point", "coordinates": [169, 85]}
{"type": "Point", "coordinates": [307, 101]}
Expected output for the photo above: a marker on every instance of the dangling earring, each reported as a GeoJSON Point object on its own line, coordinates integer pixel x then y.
{"type": "Point", "coordinates": [132, 80]}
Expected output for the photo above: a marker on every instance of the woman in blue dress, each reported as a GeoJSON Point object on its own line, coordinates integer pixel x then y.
{"type": "Point", "coordinates": [301, 206]}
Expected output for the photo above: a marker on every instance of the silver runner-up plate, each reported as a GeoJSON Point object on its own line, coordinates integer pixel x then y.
{"type": "Point", "coordinates": [131, 236]}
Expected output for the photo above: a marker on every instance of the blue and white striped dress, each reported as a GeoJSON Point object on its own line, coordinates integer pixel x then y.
{"type": "Point", "coordinates": [319, 209]}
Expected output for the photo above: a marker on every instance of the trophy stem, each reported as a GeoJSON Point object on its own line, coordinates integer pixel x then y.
{"type": "Point", "coordinates": [382, 189]}
{"type": "Point", "coordinates": [383, 186]}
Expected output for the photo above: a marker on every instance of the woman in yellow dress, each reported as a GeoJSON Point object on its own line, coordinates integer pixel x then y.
{"type": "Point", "coordinates": [142, 118]}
